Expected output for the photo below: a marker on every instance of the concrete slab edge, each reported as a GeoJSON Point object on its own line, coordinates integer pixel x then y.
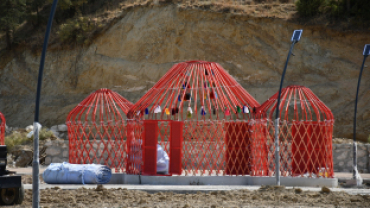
{"type": "Point", "coordinates": [221, 180]}
{"type": "Point", "coordinates": [189, 189]}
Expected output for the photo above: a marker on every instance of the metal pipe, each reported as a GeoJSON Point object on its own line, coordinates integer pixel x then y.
{"type": "Point", "coordinates": [277, 147]}
{"type": "Point", "coordinates": [36, 162]}
{"type": "Point", "coordinates": [354, 168]}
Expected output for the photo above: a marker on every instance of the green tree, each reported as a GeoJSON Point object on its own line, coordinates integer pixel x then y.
{"type": "Point", "coordinates": [361, 9]}
{"type": "Point", "coordinates": [34, 6]}
{"type": "Point", "coordinates": [309, 8]}
{"type": "Point", "coordinates": [78, 29]}
{"type": "Point", "coordinates": [348, 5]}
{"type": "Point", "coordinates": [68, 8]}
{"type": "Point", "coordinates": [11, 13]}
{"type": "Point", "coordinates": [68, 4]}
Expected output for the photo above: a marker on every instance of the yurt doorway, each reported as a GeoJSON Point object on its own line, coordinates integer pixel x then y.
{"type": "Point", "coordinates": [161, 139]}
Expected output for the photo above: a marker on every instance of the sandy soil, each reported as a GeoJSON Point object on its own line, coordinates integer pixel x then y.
{"type": "Point", "coordinates": [27, 179]}
{"type": "Point", "coordinates": [268, 196]}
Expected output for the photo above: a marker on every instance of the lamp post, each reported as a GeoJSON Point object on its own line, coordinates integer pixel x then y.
{"type": "Point", "coordinates": [36, 125]}
{"type": "Point", "coordinates": [366, 53]}
{"type": "Point", "coordinates": [295, 38]}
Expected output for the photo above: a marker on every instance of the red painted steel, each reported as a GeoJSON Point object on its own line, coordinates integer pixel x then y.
{"type": "Point", "coordinates": [134, 146]}
{"type": "Point", "coordinates": [205, 97]}
{"type": "Point", "coordinates": [258, 149]}
{"type": "Point", "coordinates": [150, 147]}
{"type": "Point", "coordinates": [305, 133]}
{"type": "Point", "coordinates": [176, 147]}
{"type": "Point", "coordinates": [97, 130]}
{"type": "Point", "coordinates": [2, 129]}
{"type": "Point", "coordinates": [238, 148]}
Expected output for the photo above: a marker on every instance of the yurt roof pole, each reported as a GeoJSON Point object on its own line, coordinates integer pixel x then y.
{"type": "Point", "coordinates": [295, 38]}
{"type": "Point", "coordinates": [366, 53]}
{"type": "Point", "coordinates": [35, 163]}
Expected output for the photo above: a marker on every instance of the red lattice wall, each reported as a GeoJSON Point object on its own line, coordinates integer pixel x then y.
{"type": "Point", "coordinates": [305, 133]}
{"type": "Point", "coordinates": [97, 130]}
{"type": "Point", "coordinates": [2, 129]}
{"type": "Point", "coordinates": [214, 111]}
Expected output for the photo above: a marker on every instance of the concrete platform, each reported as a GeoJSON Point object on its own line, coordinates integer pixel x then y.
{"type": "Point", "coordinates": [187, 189]}
{"type": "Point", "coordinates": [120, 178]}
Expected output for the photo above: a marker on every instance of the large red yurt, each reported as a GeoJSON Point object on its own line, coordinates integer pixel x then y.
{"type": "Point", "coordinates": [199, 115]}
{"type": "Point", "coordinates": [305, 133]}
{"type": "Point", "coordinates": [97, 130]}
{"type": "Point", "coordinates": [2, 129]}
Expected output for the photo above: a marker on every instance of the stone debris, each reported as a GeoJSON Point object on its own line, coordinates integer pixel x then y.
{"type": "Point", "coordinates": [22, 155]}
{"type": "Point", "coordinates": [60, 131]}
{"type": "Point", "coordinates": [345, 141]}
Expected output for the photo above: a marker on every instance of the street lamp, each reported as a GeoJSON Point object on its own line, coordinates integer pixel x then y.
{"type": "Point", "coordinates": [356, 176]}
{"type": "Point", "coordinates": [295, 38]}
{"type": "Point", "coordinates": [36, 125]}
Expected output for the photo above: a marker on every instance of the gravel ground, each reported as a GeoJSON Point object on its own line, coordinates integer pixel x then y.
{"type": "Point", "coordinates": [266, 196]}
{"type": "Point", "coordinates": [27, 179]}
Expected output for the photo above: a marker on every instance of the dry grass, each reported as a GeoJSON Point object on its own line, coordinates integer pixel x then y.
{"type": "Point", "coordinates": [16, 138]}
{"type": "Point", "coordinates": [20, 138]}
{"type": "Point", "coordinates": [104, 17]}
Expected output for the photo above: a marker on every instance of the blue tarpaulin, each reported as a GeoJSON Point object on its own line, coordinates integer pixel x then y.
{"type": "Point", "coordinates": [65, 173]}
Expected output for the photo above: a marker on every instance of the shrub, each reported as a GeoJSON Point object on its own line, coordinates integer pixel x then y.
{"type": "Point", "coordinates": [20, 138]}
{"type": "Point", "coordinates": [80, 29]}
{"type": "Point", "coordinates": [45, 134]}
{"type": "Point", "coordinates": [360, 9]}
{"type": "Point", "coordinates": [335, 8]}
{"type": "Point", "coordinates": [16, 138]}
{"type": "Point", "coordinates": [309, 8]}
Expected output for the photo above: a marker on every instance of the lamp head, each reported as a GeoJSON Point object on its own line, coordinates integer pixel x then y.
{"type": "Point", "coordinates": [367, 50]}
{"type": "Point", "coordinates": [296, 35]}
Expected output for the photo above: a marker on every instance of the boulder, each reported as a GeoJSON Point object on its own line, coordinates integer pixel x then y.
{"type": "Point", "coordinates": [53, 151]}
{"type": "Point", "coordinates": [22, 155]}
{"type": "Point", "coordinates": [47, 160]}
{"type": "Point", "coordinates": [58, 160]}
{"type": "Point", "coordinates": [23, 158]}
{"type": "Point", "coordinates": [10, 160]}
{"type": "Point", "coordinates": [62, 127]}
{"type": "Point", "coordinates": [54, 129]}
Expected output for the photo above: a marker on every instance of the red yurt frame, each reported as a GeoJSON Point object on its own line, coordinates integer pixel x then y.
{"type": "Point", "coordinates": [199, 115]}
{"type": "Point", "coordinates": [97, 130]}
{"type": "Point", "coordinates": [2, 129]}
{"type": "Point", "coordinates": [305, 133]}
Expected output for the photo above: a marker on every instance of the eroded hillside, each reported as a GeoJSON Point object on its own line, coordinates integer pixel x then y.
{"type": "Point", "coordinates": [141, 46]}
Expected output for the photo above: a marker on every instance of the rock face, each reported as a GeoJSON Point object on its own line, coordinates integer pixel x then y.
{"type": "Point", "coordinates": [342, 158]}
{"type": "Point", "coordinates": [139, 49]}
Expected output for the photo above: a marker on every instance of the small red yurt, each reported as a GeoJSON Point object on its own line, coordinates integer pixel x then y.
{"type": "Point", "coordinates": [2, 129]}
{"type": "Point", "coordinates": [305, 133]}
{"type": "Point", "coordinates": [97, 130]}
{"type": "Point", "coordinates": [199, 115]}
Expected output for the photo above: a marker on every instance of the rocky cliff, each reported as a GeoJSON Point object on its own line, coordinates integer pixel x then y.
{"type": "Point", "coordinates": [141, 46]}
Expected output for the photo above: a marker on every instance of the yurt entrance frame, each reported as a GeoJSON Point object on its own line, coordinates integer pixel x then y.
{"type": "Point", "coordinates": [169, 135]}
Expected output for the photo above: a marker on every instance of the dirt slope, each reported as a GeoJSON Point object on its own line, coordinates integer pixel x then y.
{"type": "Point", "coordinates": [141, 46]}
